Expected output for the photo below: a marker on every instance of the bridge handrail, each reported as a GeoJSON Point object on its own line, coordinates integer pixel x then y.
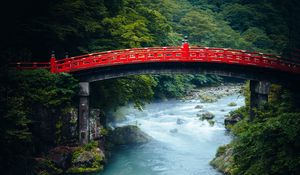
{"type": "Point", "coordinates": [167, 54]}
{"type": "Point", "coordinates": [77, 62]}
{"type": "Point", "coordinates": [31, 65]}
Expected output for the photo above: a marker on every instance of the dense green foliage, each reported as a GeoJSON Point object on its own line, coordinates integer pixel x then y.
{"type": "Point", "coordinates": [269, 144]}
{"type": "Point", "coordinates": [144, 88]}
{"type": "Point", "coordinates": [35, 28]}
{"type": "Point", "coordinates": [32, 103]}
{"type": "Point", "coordinates": [170, 86]}
{"type": "Point", "coordinates": [115, 93]}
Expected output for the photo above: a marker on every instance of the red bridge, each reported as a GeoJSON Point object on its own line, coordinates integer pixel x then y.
{"type": "Point", "coordinates": [257, 67]}
{"type": "Point", "coordinates": [185, 54]}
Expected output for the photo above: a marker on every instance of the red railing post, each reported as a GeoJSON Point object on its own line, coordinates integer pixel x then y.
{"type": "Point", "coordinates": [53, 67]}
{"type": "Point", "coordinates": [185, 48]}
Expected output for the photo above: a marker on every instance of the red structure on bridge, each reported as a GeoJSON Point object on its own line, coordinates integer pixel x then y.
{"type": "Point", "coordinates": [183, 53]}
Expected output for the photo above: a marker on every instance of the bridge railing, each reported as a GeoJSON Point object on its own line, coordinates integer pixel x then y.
{"type": "Point", "coordinates": [30, 65]}
{"type": "Point", "coordinates": [175, 54]}
{"type": "Point", "coordinates": [166, 54]}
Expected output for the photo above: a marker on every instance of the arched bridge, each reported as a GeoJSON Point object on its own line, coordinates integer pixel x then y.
{"type": "Point", "coordinates": [222, 61]}
{"type": "Point", "coordinates": [183, 59]}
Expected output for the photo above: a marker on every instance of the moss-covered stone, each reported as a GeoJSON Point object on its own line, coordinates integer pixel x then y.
{"type": "Point", "coordinates": [211, 122]}
{"type": "Point", "coordinates": [232, 104]}
{"type": "Point", "coordinates": [76, 170]}
{"type": "Point", "coordinates": [198, 107]}
{"type": "Point", "coordinates": [87, 159]}
{"type": "Point", "coordinates": [234, 117]}
{"type": "Point", "coordinates": [223, 161]}
{"type": "Point", "coordinates": [206, 116]}
{"type": "Point", "coordinates": [72, 160]}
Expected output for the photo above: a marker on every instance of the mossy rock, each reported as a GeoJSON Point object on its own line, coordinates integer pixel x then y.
{"type": "Point", "coordinates": [206, 116]}
{"type": "Point", "coordinates": [232, 104]}
{"type": "Point", "coordinates": [198, 107]}
{"type": "Point", "coordinates": [223, 161]}
{"type": "Point", "coordinates": [232, 119]}
{"type": "Point", "coordinates": [76, 170]}
{"type": "Point", "coordinates": [211, 122]}
{"type": "Point", "coordinates": [87, 159]}
{"type": "Point", "coordinates": [129, 135]}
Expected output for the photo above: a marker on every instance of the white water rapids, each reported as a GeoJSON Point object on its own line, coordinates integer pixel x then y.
{"type": "Point", "coordinates": [176, 149]}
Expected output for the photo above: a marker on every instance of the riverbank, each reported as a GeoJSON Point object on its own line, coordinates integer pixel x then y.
{"type": "Point", "coordinates": [268, 144]}
{"type": "Point", "coordinates": [212, 94]}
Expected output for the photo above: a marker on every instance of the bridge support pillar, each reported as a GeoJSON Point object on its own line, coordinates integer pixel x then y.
{"type": "Point", "coordinates": [259, 91]}
{"type": "Point", "coordinates": [84, 112]}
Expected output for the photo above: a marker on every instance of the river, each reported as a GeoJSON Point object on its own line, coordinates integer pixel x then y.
{"type": "Point", "coordinates": [176, 149]}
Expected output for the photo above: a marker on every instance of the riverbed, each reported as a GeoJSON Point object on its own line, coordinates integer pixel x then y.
{"type": "Point", "coordinates": [182, 144]}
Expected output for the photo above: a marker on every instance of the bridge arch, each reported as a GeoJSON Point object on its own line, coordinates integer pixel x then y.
{"type": "Point", "coordinates": [259, 84]}
{"type": "Point", "coordinates": [227, 70]}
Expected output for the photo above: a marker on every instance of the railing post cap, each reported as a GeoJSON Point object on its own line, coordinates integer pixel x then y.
{"type": "Point", "coordinates": [52, 54]}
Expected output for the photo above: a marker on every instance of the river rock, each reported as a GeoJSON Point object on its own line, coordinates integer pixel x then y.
{"type": "Point", "coordinates": [232, 104]}
{"type": "Point", "coordinates": [198, 107]}
{"type": "Point", "coordinates": [224, 160]}
{"type": "Point", "coordinates": [180, 121]}
{"type": "Point", "coordinates": [87, 160]}
{"type": "Point", "coordinates": [206, 116]}
{"type": "Point", "coordinates": [211, 122]}
{"type": "Point", "coordinates": [232, 119]}
{"type": "Point", "coordinates": [175, 130]}
{"type": "Point", "coordinates": [129, 135]}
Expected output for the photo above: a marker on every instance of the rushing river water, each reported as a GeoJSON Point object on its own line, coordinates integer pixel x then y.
{"type": "Point", "coordinates": [176, 149]}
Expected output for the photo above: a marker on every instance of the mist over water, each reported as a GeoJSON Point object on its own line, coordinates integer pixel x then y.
{"type": "Point", "coordinates": [176, 149]}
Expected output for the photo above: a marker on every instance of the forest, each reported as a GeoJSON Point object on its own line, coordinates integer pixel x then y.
{"type": "Point", "coordinates": [31, 100]}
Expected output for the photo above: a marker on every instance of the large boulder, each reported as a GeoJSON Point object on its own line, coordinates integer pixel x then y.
{"type": "Point", "coordinates": [223, 160]}
{"type": "Point", "coordinates": [129, 135]}
{"type": "Point", "coordinates": [86, 160]}
{"type": "Point", "coordinates": [61, 156]}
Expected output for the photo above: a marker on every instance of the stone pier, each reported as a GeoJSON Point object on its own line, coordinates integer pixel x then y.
{"type": "Point", "coordinates": [84, 112]}
{"type": "Point", "coordinates": [259, 91]}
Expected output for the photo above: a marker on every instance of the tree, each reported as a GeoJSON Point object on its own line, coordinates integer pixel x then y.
{"type": "Point", "coordinates": [118, 92]}
{"type": "Point", "coordinates": [198, 25]}
{"type": "Point", "coordinates": [32, 103]}
{"type": "Point", "coordinates": [240, 17]}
